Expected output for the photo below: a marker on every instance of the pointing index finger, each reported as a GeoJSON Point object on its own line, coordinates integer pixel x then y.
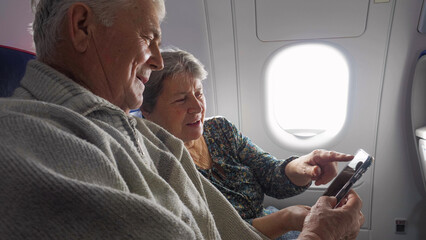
{"type": "Point", "coordinates": [331, 156]}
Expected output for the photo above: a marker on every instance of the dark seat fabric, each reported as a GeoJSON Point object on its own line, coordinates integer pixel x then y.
{"type": "Point", "coordinates": [12, 68]}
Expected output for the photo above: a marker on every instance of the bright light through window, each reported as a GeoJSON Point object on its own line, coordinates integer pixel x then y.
{"type": "Point", "coordinates": [307, 90]}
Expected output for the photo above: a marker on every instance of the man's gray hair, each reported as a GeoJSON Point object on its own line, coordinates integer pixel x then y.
{"type": "Point", "coordinates": [49, 16]}
{"type": "Point", "coordinates": [175, 61]}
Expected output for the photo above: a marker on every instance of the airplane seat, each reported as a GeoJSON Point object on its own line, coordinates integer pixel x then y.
{"type": "Point", "coordinates": [418, 112]}
{"type": "Point", "coordinates": [13, 62]}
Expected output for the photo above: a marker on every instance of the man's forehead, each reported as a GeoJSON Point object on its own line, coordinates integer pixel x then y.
{"type": "Point", "coordinates": [150, 12]}
{"type": "Point", "coordinates": [158, 5]}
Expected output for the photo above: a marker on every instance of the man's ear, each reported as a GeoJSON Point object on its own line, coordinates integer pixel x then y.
{"type": "Point", "coordinates": [80, 22]}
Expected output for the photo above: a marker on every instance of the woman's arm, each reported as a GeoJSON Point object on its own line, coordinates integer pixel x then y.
{"type": "Point", "coordinates": [267, 171]}
{"type": "Point", "coordinates": [278, 223]}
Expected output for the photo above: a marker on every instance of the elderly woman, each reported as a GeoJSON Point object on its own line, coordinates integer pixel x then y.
{"type": "Point", "coordinates": [243, 172]}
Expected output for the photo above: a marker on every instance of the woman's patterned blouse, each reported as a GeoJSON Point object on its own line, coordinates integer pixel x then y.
{"type": "Point", "coordinates": [242, 171]}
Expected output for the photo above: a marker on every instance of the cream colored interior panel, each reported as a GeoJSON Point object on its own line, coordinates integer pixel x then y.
{"type": "Point", "coordinates": [310, 19]}
{"type": "Point", "coordinates": [366, 53]}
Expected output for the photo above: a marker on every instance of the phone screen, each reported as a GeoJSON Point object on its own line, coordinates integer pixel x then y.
{"type": "Point", "coordinates": [349, 175]}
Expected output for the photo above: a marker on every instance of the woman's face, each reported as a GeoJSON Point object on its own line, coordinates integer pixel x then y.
{"type": "Point", "coordinates": [180, 108]}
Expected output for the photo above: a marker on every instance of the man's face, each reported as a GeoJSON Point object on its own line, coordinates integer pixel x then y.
{"type": "Point", "coordinates": [128, 51]}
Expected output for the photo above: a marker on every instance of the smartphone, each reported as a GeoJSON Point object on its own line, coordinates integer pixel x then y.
{"type": "Point", "coordinates": [349, 175]}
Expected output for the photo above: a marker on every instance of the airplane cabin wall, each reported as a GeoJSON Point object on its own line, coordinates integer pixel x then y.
{"type": "Point", "coordinates": [398, 188]}
{"type": "Point", "coordinates": [382, 60]}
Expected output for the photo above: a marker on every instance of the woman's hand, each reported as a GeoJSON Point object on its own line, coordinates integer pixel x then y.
{"type": "Point", "coordinates": [319, 165]}
{"type": "Point", "coordinates": [296, 216]}
{"type": "Point", "coordinates": [286, 219]}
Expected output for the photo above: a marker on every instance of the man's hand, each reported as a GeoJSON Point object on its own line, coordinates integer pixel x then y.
{"type": "Point", "coordinates": [319, 165]}
{"type": "Point", "coordinates": [324, 222]}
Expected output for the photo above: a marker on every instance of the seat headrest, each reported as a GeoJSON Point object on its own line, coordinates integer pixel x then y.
{"type": "Point", "coordinates": [13, 62]}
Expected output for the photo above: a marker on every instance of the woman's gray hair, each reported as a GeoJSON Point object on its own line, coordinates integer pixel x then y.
{"type": "Point", "coordinates": [175, 61]}
{"type": "Point", "coordinates": [49, 16]}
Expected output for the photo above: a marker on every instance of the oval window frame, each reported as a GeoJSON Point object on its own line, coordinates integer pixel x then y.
{"type": "Point", "coordinates": [298, 141]}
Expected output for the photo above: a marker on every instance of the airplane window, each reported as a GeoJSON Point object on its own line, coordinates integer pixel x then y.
{"type": "Point", "coordinates": [307, 87]}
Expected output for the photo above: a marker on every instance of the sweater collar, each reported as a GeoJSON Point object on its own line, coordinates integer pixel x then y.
{"type": "Point", "coordinates": [48, 85]}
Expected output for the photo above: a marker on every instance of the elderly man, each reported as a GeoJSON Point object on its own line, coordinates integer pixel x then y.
{"type": "Point", "coordinates": [75, 165]}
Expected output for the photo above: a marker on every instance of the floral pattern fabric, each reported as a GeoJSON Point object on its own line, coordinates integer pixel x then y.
{"type": "Point", "coordinates": [242, 171]}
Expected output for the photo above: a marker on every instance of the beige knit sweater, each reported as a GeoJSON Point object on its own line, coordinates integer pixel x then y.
{"type": "Point", "coordinates": [74, 166]}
